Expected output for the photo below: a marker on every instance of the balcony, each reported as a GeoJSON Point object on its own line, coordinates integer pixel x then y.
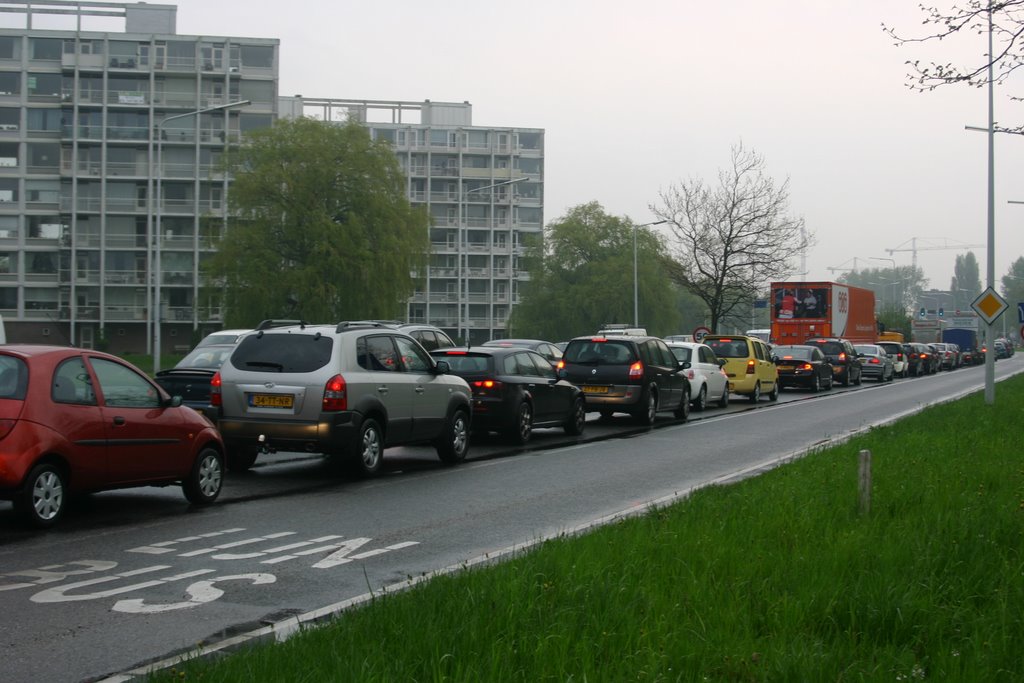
{"type": "Point", "coordinates": [124, 312]}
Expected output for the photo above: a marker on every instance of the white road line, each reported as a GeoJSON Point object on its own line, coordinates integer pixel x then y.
{"type": "Point", "coordinates": [236, 544]}
{"type": "Point", "coordinates": [164, 546]}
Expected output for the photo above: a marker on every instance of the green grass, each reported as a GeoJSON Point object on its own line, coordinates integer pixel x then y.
{"type": "Point", "coordinates": [776, 578]}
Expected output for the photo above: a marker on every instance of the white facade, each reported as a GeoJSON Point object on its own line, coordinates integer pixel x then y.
{"type": "Point", "coordinates": [84, 118]}
{"type": "Point", "coordinates": [484, 190]}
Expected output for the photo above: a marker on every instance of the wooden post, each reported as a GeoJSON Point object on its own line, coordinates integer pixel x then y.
{"type": "Point", "coordinates": [864, 482]}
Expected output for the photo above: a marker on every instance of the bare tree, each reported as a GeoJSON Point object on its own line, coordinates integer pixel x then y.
{"type": "Point", "coordinates": [732, 239]}
{"type": "Point", "coordinates": [968, 19]}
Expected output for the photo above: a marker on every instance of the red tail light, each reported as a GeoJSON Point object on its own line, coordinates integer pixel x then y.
{"type": "Point", "coordinates": [875, 361]}
{"type": "Point", "coordinates": [806, 366]}
{"type": "Point", "coordinates": [6, 426]}
{"type": "Point", "coordinates": [750, 366]}
{"type": "Point", "coordinates": [842, 357]}
{"type": "Point", "coordinates": [486, 385]}
{"type": "Point", "coordinates": [215, 395]}
{"type": "Point", "coordinates": [636, 370]}
{"type": "Point", "coordinates": [335, 394]}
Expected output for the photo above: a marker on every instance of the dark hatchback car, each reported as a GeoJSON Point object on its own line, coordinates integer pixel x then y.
{"type": "Point", "coordinates": [631, 374]}
{"type": "Point", "coordinates": [515, 390]}
{"type": "Point", "coordinates": [846, 367]}
{"type": "Point", "coordinates": [190, 378]}
{"type": "Point", "coordinates": [802, 366]}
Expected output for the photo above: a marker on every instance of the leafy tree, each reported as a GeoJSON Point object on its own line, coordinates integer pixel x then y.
{"type": "Point", "coordinates": [1013, 285]}
{"type": "Point", "coordinates": [321, 227]}
{"type": "Point", "coordinates": [581, 278]}
{"type": "Point", "coordinates": [966, 283]}
{"type": "Point", "coordinates": [732, 239]}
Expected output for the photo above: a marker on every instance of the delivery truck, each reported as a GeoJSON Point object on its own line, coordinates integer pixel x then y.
{"type": "Point", "coordinates": [803, 310]}
{"type": "Point", "coordinates": [967, 340]}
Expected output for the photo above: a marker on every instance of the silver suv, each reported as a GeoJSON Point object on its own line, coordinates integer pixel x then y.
{"type": "Point", "coordinates": [345, 390]}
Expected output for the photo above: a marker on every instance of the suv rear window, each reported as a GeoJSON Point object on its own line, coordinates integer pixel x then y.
{"type": "Point", "coordinates": [599, 352]}
{"type": "Point", "coordinates": [283, 353]}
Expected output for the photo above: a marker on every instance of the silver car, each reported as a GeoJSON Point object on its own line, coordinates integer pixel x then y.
{"type": "Point", "coordinates": [345, 390]}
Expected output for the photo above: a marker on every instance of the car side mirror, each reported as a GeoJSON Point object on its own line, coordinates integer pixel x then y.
{"type": "Point", "coordinates": [721, 362]}
{"type": "Point", "coordinates": [173, 402]}
{"type": "Point", "coordinates": [442, 367]}
{"type": "Point", "coordinates": [561, 373]}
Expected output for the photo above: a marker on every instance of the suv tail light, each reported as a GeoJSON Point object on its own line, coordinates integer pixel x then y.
{"type": "Point", "coordinates": [636, 370]}
{"type": "Point", "coordinates": [486, 386]}
{"type": "Point", "coordinates": [335, 396]}
{"type": "Point", "coordinates": [750, 366]}
{"type": "Point", "coordinates": [215, 395]}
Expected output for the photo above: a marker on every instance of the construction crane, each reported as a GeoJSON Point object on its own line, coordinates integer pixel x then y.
{"type": "Point", "coordinates": [913, 248]}
{"type": "Point", "coordinates": [833, 269]}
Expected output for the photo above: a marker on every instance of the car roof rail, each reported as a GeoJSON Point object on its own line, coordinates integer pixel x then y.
{"type": "Point", "coordinates": [356, 324]}
{"type": "Point", "coordinates": [268, 324]}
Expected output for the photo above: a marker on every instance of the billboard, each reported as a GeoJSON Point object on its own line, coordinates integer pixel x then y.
{"type": "Point", "coordinates": [801, 303]}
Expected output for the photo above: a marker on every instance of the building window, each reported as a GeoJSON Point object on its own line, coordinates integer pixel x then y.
{"type": "Point", "coordinates": [8, 47]}
{"type": "Point", "coordinates": [46, 48]}
{"type": "Point", "coordinates": [10, 83]}
{"type": "Point", "coordinates": [260, 56]}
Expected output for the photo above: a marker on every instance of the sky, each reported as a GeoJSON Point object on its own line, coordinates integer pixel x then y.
{"type": "Point", "coordinates": [637, 97]}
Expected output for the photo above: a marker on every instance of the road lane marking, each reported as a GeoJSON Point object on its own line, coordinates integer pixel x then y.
{"type": "Point", "coordinates": [164, 546]}
{"type": "Point", "coordinates": [200, 593]}
{"type": "Point", "coordinates": [270, 551]}
{"type": "Point", "coordinates": [236, 544]}
{"type": "Point", "coordinates": [53, 573]}
{"type": "Point", "coordinates": [59, 593]}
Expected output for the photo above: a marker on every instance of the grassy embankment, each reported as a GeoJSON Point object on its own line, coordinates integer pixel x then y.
{"type": "Point", "coordinates": [776, 578]}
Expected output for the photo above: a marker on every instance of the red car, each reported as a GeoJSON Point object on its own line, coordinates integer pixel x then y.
{"type": "Point", "coordinates": [74, 420]}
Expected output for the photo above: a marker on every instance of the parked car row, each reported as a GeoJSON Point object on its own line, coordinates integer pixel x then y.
{"type": "Point", "coordinates": [74, 420]}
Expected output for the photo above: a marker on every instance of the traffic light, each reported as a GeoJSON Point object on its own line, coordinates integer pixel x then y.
{"type": "Point", "coordinates": [921, 314]}
{"type": "Point", "coordinates": [941, 312]}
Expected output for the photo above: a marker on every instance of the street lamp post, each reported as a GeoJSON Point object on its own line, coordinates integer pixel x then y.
{"type": "Point", "coordinates": [157, 200]}
{"type": "Point", "coordinates": [636, 286]}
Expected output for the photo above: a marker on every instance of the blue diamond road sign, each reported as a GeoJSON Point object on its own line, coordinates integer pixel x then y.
{"type": "Point", "coordinates": [1020, 313]}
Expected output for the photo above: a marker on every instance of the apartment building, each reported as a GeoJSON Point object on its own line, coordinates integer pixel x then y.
{"type": "Point", "coordinates": [483, 188]}
{"type": "Point", "coordinates": [111, 193]}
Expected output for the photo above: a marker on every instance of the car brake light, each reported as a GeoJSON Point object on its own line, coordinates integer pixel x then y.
{"type": "Point", "coordinates": [806, 366]}
{"type": "Point", "coordinates": [5, 427]}
{"type": "Point", "coordinates": [636, 370]}
{"type": "Point", "coordinates": [561, 364]}
{"type": "Point", "coordinates": [455, 353]}
{"type": "Point", "coordinates": [487, 384]}
{"type": "Point", "coordinates": [335, 394]}
{"type": "Point", "coordinates": [750, 366]}
{"type": "Point", "coordinates": [875, 361]}
{"type": "Point", "coordinates": [842, 357]}
{"type": "Point", "coordinates": [215, 395]}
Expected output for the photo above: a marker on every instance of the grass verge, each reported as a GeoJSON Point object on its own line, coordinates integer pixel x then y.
{"type": "Point", "coordinates": [775, 578]}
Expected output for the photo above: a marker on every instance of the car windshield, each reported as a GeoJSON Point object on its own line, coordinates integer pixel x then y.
{"type": "Point", "coordinates": [462, 364]}
{"type": "Point", "coordinates": [599, 352]}
{"type": "Point", "coordinates": [681, 353]}
{"type": "Point", "coordinates": [793, 352]}
{"type": "Point", "coordinates": [868, 350]}
{"type": "Point", "coordinates": [728, 348]}
{"type": "Point", "coordinates": [206, 357]}
{"type": "Point", "coordinates": [829, 348]}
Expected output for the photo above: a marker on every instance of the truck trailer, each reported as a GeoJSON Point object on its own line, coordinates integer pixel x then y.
{"type": "Point", "coordinates": [967, 340]}
{"type": "Point", "coordinates": [804, 310]}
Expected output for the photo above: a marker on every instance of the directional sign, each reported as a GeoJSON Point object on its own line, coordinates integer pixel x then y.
{"type": "Point", "coordinates": [989, 305]}
{"type": "Point", "coordinates": [700, 333]}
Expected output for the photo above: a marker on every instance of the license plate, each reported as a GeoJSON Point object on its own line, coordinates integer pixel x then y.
{"type": "Point", "coordinates": [595, 390]}
{"type": "Point", "coordinates": [271, 400]}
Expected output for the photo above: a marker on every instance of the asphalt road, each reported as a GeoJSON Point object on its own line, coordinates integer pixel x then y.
{"type": "Point", "coordinates": [135, 576]}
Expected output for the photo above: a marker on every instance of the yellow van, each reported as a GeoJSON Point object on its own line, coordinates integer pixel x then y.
{"type": "Point", "coordinates": [748, 365]}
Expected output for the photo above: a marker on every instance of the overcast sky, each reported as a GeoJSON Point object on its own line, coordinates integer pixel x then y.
{"type": "Point", "coordinates": [635, 97]}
